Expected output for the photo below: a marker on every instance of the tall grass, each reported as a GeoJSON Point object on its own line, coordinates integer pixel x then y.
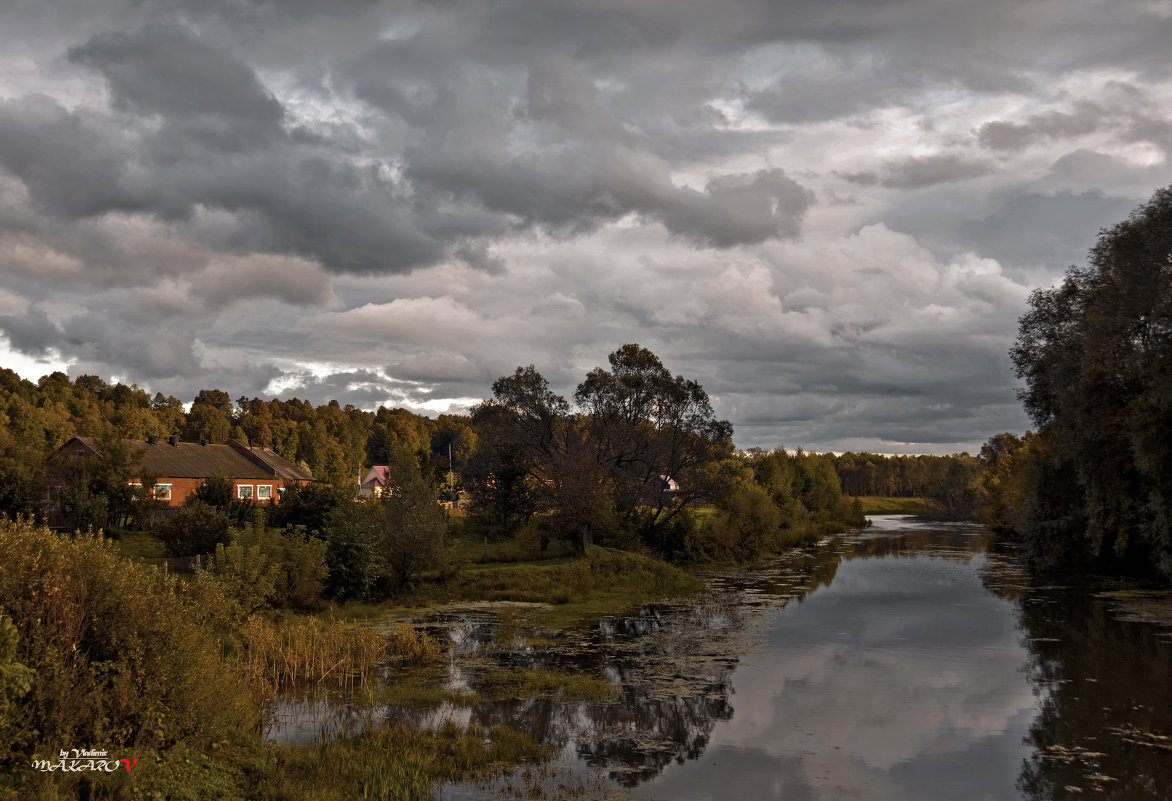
{"type": "Point", "coordinates": [301, 650]}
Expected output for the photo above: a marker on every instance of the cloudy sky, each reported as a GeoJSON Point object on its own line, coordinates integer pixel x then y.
{"type": "Point", "coordinates": [829, 212]}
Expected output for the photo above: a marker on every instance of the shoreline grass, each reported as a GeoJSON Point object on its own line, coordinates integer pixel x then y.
{"type": "Point", "coordinates": [879, 505]}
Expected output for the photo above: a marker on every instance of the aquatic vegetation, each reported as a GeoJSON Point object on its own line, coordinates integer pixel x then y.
{"type": "Point", "coordinates": [406, 644]}
{"type": "Point", "coordinates": [514, 683]}
{"type": "Point", "coordinates": [394, 762]}
{"type": "Point", "coordinates": [310, 649]}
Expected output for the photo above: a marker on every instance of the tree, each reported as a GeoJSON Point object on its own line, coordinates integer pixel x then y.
{"type": "Point", "coordinates": [1005, 462]}
{"type": "Point", "coordinates": [522, 433]}
{"type": "Point", "coordinates": [219, 492]}
{"type": "Point", "coordinates": [104, 488]}
{"type": "Point", "coordinates": [413, 523]}
{"type": "Point", "coordinates": [1096, 355]}
{"type": "Point", "coordinates": [309, 505]}
{"type": "Point", "coordinates": [354, 535]}
{"type": "Point", "coordinates": [646, 424]}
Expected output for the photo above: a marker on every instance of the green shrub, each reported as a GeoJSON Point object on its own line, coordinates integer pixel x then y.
{"type": "Point", "coordinates": [288, 568]}
{"type": "Point", "coordinates": [121, 658]}
{"type": "Point", "coordinates": [196, 528]}
{"type": "Point", "coordinates": [246, 574]}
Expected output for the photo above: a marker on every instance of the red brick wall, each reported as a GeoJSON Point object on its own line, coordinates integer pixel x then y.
{"type": "Point", "coordinates": [182, 487]}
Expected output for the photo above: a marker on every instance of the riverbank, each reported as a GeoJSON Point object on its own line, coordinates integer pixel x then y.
{"type": "Point", "coordinates": [488, 698]}
{"type": "Point", "coordinates": [99, 649]}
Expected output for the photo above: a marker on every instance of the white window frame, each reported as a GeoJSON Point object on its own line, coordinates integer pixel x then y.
{"type": "Point", "coordinates": [240, 488]}
{"type": "Point", "coordinates": [264, 492]}
{"type": "Point", "coordinates": [162, 492]}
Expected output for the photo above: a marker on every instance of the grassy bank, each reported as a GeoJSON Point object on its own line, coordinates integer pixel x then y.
{"type": "Point", "coordinates": [878, 505]}
{"type": "Point", "coordinates": [603, 582]}
{"type": "Point", "coordinates": [104, 652]}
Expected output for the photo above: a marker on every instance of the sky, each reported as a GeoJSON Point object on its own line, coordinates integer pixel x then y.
{"type": "Point", "coordinates": [830, 213]}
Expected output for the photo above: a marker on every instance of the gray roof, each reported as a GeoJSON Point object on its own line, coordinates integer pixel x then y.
{"type": "Point", "coordinates": [198, 460]}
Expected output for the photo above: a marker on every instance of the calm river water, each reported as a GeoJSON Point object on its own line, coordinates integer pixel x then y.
{"type": "Point", "coordinates": [906, 661]}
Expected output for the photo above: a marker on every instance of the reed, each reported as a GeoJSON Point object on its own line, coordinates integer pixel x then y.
{"type": "Point", "coordinates": [303, 650]}
{"type": "Point", "coordinates": [406, 644]}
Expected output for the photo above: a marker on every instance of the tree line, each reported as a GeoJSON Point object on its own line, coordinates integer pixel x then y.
{"type": "Point", "coordinates": [637, 459]}
{"type": "Point", "coordinates": [1091, 488]}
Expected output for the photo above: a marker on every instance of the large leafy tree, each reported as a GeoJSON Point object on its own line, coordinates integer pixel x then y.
{"type": "Point", "coordinates": [606, 461]}
{"type": "Point", "coordinates": [522, 437]}
{"type": "Point", "coordinates": [647, 425]}
{"type": "Point", "coordinates": [1096, 355]}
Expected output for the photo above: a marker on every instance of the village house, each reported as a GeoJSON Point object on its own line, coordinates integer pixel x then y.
{"type": "Point", "coordinates": [665, 483]}
{"type": "Point", "coordinates": [179, 467]}
{"type": "Point", "coordinates": [374, 482]}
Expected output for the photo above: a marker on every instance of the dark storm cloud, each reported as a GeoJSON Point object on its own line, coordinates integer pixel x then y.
{"type": "Point", "coordinates": [799, 204]}
{"type": "Point", "coordinates": [165, 71]}
{"type": "Point", "coordinates": [32, 333]}
{"type": "Point", "coordinates": [69, 164]}
{"type": "Point", "coordinates": [582, 167]}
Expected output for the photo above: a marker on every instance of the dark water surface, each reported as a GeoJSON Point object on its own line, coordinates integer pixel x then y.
{"type": "Point", "coordinates": [906, 661]}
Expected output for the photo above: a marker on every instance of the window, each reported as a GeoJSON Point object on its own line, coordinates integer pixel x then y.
{"type": "Point", "coordinates": [163, 492]}
{"type": "Point", "coordinates": [243, 490]}
{"type": "Point", "coordinates": [280, 492]}
{"type": "Point", "coordinates": [264, 492]}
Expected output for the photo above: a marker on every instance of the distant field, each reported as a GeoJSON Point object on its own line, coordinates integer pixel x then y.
{"type": "Point", "coordinates": [875, 505]}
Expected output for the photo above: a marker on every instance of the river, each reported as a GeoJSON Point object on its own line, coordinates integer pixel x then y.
{"type": "Point", "coordinates": [906, 661]}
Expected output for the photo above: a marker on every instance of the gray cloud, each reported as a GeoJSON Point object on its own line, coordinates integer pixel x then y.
{"type": "Point", "coordinates": [166, 71]}
{"type": "Point", "coordinates": [1001, 135]}
{"type": "Point", "coordinates": [918, 172]}
{"type": "Point", "coordinates": [69, 166]}
{"type": "Point", "coordinates": [829, 213]}
{"type": "Point", "coordinates": [32, 333]}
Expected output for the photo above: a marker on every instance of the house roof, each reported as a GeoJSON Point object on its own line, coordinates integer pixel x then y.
{"type": "Point", "coordinates": [376, 476]}
{"type": "Point", "coordinates": [196, 460]}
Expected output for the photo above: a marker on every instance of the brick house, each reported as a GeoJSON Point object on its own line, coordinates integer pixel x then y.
{"type": "Point", "coordinates": [180, 467]}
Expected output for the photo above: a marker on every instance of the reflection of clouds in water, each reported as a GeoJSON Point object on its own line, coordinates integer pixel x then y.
{"type": "Point", "coordinates": [882, 707]}
{"type": "Point", "coordinates": [901, 677]}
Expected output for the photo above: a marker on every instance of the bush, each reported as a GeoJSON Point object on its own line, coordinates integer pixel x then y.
{"type": "Point", "coordinates": [261, 565]}
{"type": "Point", "coordinates": [407, 644]}
{"type": "Point", "coordinates": [121, 658]}
{"type": "Point", "coordinates": [356, 564]}
{"type": "Point", "coordinates": [308, 506]}
{"type": "Point", "coordinates": [196, 528]}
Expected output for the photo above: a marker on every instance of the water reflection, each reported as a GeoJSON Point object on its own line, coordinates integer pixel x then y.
{"type": "Point", "coordinates": [1105, 702]}
{"type": "Point", "coordinates": [901, 662]}
{"type": "Point", "coordinates": [897, 680]}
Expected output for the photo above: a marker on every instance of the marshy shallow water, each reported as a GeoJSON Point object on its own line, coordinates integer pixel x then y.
{"type": "Point", "coordinates": [905, 661]}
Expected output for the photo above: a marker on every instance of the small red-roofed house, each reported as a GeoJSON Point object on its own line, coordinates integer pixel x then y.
{"type": "Point", "coordinates": [374, 482]}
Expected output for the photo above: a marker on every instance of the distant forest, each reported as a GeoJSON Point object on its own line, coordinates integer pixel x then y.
{"type": "Point", "coordinates": [594, 469]}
